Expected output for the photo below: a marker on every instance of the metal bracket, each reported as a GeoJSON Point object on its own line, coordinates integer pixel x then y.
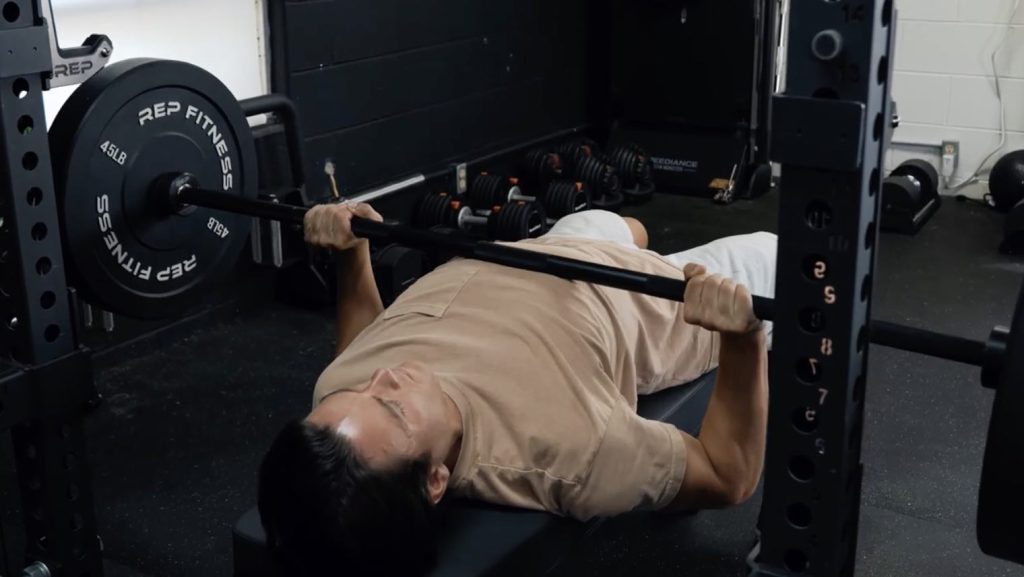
{"type": "Point", "coordinates": [74, 65]}
{"type": "Point", "coordinates": [818, 133]}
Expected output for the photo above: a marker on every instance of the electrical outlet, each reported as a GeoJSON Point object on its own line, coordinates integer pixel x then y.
{"type": "Point", "coordinates": [950, 158]}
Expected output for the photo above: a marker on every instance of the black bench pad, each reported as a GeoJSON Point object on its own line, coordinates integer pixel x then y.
{"type": "Point", "coordinates": [478, 539]}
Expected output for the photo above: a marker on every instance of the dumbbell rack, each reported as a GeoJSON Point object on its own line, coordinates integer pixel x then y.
{"type": "Point", "coordinates": [48, 384]}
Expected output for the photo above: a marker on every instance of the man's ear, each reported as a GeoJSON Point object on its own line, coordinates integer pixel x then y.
{"type": "Point", "coordinates": [437, 482]}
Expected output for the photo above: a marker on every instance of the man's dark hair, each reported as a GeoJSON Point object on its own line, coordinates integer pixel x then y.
{"type": "Point", "coordinates": [327, 514]}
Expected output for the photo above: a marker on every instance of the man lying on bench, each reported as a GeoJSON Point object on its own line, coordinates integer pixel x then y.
{"type": "Point", "coordinates": [518, 389]}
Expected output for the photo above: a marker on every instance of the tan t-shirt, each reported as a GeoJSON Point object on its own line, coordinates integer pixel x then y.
{"type": "Point", "coordinates": [545, 373]}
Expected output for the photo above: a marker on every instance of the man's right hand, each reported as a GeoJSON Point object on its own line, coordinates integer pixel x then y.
{"type": "Point", "coordinates": [330, 225]}
{"type": "Point", "coordinates": [718, 304]}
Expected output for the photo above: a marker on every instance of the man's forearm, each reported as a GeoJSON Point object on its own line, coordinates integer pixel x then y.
{"type": "Point", "coordinates": [734, 429]}
{"type": "Point", "coordinates": [359, 301]}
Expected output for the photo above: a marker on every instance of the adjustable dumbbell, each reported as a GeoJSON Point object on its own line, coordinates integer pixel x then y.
{"type": "Point", "coordinates": [559, 198]}
{"type": "Point", "coordinates": [923, 174]}
{"type": "Point", "coordinates": [564, 197]}
{"type": "Point", "coordinates": [541, 167]}
{"type": "Point", "coordinates": [489, 191]}
{"type": "Point", "coordinates": [573, 153]}
{"type": "Point", "coordinates": [603, 181]}
{"type": "Point", "coordinates": [635, 171]}
{"type": "Point", "coordinates": [513, 221]}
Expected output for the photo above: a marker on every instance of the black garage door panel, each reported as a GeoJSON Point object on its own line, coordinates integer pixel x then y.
{"type": "Point", "coordinates": [343, 31]}
{"type": "Point", "coordinates": [388, 88]}
{"type": "Point", "coordinates": [359, 92]}
{"type": "Point", "coordinates": [436, 136]}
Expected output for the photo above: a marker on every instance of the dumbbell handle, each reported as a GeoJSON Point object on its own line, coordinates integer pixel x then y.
{"type": "Point", "coordinates": [467, 218]}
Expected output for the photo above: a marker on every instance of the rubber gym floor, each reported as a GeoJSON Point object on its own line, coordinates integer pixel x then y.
{"type": "Point", "coordinates": [188, 415]}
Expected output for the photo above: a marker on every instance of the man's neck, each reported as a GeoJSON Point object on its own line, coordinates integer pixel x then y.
{"type": "Point", "coordinates": [455, 420]}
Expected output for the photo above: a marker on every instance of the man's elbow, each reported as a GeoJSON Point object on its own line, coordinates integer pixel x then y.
{"type": "Point", "coordinates": [738, 493]}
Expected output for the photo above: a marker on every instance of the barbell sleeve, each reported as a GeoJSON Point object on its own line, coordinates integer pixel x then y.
{"type": "Point", "coordinates": [952, 348]}
{"type": "Point", "coordinates": [930, 343]}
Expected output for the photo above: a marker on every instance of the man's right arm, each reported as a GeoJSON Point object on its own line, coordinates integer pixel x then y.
{"type": "Point", "coordinates": [724, 464]}
{"type": "Point", "coordinates": [359, 302]}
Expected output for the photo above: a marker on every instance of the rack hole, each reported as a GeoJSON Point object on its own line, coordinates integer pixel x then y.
{"type": "Point", "coordinates": [887, 13]}
{"type": "Point", "coordinates": [808, 370]}
{"type": "Point", "coordinates": [25, 125]}
{"type": "Point", "coordinates": [48, 300]}
{"type": "Point", "coordinates": [796, 561]}
{"type": "Point", "coordinates": [44, 266]}
{"type": "Point", "coordinates": [799, 515]}
{"type": "Point", "coordinates": [858, 389]}
{"type": "Point", "coordinates": [804, 421]}
{"type": "Point", "coordinates": [30, 161]}
{"type": "Point", "coordinates": [876, 179]}
{"type": "Point", "coordinates": [883, 70]}
{"type": "Point", "coordinates": [51, 333]}
{"type": "Point", "coordinates": [12, 11]}
{"type": "Point", "coordinates": [862, 339]}
{"type": "Point", "coordinates": [855, 435]}
{"type": "Point", "coordinates": [39, 231]}
{"type": "Point", "coordinates": [879, 127]}
{"type": "Point", "coordinates": [73, 492]}
{"type": "Point", "coordinates": [34, 196]}
{"type": "Point", "coordinates": [801, 469]}
{"type": "Point", "coordinates": [20, 88]}
{"type": "Point", "coordinates": [819, 215]}
{"type": "Point", "coordinates": [865, 288]}
{"type": "Point", "coordinates": [869, 239]}
{"type": "Point", "coordinates": [812, 320]}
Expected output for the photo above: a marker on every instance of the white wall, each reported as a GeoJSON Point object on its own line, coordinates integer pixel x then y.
{"type": "Point", "coordinates": [225, 37]}
{"type": "Point", "coordinates": [944, 83]}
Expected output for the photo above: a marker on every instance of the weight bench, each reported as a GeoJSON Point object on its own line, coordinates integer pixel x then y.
{"type": "Point", "coordinates": [478, 539]}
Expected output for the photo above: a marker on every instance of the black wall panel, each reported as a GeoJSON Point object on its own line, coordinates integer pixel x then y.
{"type": "Point", "coordinates": [690, 63]}
{"type": "Point", "coordinates": [387, 88]}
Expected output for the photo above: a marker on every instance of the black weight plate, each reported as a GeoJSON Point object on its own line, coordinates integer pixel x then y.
{"type": "Point", "coordinates": [610, 202]}
{"type": "Point", "coordinates": [131, 124]}
{"type": "Point", "coordinates": [1000, 529]}
{"type": "Point", "coordinates": [902, 193]}
{"type": "Point", "coordinates": [924, 173]}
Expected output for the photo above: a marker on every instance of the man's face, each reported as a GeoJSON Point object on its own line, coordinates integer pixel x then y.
{"type": "Point", "coordinates": [399, 417]}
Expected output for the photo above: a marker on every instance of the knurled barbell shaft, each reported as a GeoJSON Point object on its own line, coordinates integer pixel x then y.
{"type": "Point", "coordinates": [952, 348]}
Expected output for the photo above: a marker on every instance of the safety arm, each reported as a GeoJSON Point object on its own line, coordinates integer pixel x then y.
{"type": "Point", "coordinates": [724, 464]}
{"type": "Point", "coordinates": [359, 302]}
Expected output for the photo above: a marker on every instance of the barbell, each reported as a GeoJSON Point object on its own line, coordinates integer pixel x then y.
{"type": "Point", "coordinates": [155, 169]}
